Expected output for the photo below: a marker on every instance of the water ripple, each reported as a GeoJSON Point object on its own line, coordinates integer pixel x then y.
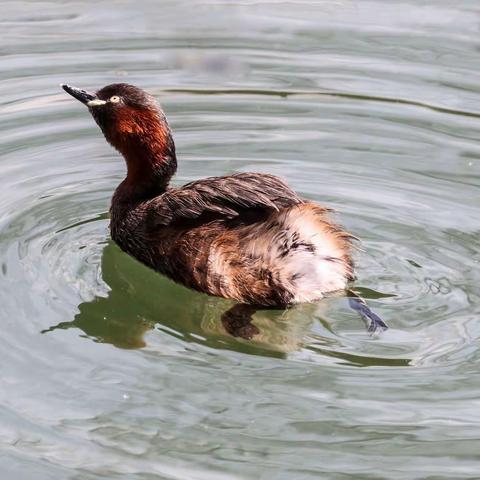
{"type": "Point", "coordinates": [110, 369]}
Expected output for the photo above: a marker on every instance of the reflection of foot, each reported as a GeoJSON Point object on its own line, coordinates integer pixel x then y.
{"type": "Point", "coordinates": [237, 321]}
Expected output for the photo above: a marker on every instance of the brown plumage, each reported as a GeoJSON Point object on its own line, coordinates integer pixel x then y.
{"type": "Point", "coordinates": [246, 236]}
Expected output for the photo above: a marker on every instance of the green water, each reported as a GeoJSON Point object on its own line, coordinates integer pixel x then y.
{"type": "Point", "coordinates": [110, 371]}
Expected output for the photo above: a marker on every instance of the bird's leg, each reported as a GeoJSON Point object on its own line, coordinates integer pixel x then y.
{"type": "Point", "coordinates": [374, 322]}
{"type": "Point", "coordinates": [237, 321]}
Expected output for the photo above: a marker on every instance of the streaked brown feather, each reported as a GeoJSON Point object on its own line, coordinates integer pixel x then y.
{"type": "Point", "coordinates": [226, 197]}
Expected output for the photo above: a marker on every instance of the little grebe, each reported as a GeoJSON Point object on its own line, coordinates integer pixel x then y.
{"type": "Point", "coordinates": [247, 237]}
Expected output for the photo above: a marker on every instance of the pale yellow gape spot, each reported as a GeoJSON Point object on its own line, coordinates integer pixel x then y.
{"type": "Point", "coordinates": [96, 102]}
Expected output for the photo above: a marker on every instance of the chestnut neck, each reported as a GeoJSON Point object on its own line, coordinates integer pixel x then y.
{"type": "Point", "coordinates": [149, 152]}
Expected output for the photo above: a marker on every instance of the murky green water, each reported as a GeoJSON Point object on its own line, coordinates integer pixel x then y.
{"type": "Point", "coordinates": [111, 371]}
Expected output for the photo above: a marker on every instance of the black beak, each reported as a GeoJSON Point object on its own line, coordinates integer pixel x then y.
{"type": "Point", "coordinates": [79, 94]}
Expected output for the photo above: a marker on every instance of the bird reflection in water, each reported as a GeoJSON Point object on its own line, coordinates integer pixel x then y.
{"type": "Point", "coordinates": [139, 300]}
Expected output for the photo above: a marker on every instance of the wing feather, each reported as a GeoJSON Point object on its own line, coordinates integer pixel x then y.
{"type": "Point", "coordinates": [223, 197]}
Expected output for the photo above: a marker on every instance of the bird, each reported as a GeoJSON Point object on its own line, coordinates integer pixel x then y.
{"type": "Point", "coordinates": [247, 237]}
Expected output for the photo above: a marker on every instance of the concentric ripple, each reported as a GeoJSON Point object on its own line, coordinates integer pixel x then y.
{"type": "Point", "coordinates": [112, 371]}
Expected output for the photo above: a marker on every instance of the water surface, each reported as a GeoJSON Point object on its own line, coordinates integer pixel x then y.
{"type": "Point", "coordinates": [112, 371]}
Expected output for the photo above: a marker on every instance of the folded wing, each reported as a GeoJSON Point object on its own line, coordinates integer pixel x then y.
{"type": "Point", "coordinates": [222, 197]}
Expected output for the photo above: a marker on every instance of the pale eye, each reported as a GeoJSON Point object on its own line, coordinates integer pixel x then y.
{"type": "Point", "coordinates": [115, 99]}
